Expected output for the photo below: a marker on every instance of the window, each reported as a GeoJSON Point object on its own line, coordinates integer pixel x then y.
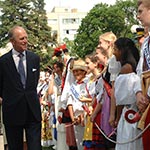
{"type": "Point", "coordinates": [70, 31]}
{"type": "Point", "coordinates": [52, 21]}
{"type": "Point", "coordinates": [71, 21]}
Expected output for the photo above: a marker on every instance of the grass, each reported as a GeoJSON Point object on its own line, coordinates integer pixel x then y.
{"type": "Point", "coordinates": [48, 148]}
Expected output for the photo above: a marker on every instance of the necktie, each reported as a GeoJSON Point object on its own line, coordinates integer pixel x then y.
{"type": "Point", "coordinates": [21, 69]}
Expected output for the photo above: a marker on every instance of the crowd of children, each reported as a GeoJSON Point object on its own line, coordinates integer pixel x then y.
{"type": "Point", "coordinates": [85, 102]}
{"type": "Point", "coordinates": [100, 103]}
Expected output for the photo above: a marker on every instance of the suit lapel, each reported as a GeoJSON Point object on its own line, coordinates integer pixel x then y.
{"type": "Point", "coordinates": [10, 64]}
{"type": "Point", "coordinates": [28, 64]}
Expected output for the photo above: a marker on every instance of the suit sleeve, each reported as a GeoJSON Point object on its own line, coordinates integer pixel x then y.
{"type": "Point", "coordinates": [38, 67]}
{"type": "Point", "coordinates": [1, 77]}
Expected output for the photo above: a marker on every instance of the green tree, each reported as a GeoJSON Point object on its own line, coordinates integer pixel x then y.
{"type": "Point", "coordinates": [31, 15]}
{"type": "Point", "coordinates": [103, 18]}
{"type": "Point", "coordinates": [70, 46]}
{"type": "Point", "coordinates": [129, 11]}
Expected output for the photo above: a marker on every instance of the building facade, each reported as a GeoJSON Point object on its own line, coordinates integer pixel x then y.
{"type": "Point", "coordinates": [65, 22]}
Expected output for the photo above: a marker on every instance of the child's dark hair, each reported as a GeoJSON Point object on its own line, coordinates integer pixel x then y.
{"type": "Point", "coordinates": [59, 64]}
{"type": "Point", "coordinates": [92, 57]}
{"type": "Point", "coordinates": [103, 52]}
{"type": "Point", "coordinates": [129, 51]}
{"type": "Point", "coordinates": [65, 50]}
{"type": "Point", "coordinates": [58, 54]}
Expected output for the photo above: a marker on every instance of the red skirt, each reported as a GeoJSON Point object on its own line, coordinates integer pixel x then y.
{"type": "Point", "coordinates": [146, 135]}
{"type": "Point", "coordinates": [70, 135]}
{"type": "Point", "coordinates": [97, 137]}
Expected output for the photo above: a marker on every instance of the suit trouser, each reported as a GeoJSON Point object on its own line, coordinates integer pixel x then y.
{"type": "Point", "coordinates": [32, 127]}
{"type": "Point", "coordinates": [15, 136]}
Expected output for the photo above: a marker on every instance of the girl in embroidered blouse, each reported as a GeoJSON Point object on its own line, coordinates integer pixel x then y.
{"type": "Point", "coordinates": [127, 84]}
{"type": "Point", "coordinates": [93, 72]}
{"type": "Point", "coordinates": [106, 42]}
{"type": "Point", "coordinates": [101, 112]}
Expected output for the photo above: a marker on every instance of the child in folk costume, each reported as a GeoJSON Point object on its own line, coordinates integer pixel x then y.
{"type": "Point", "coordinates": [93, 71]}
{"type": "Point", "coordinates": [106, 42]}
{"type": "Point", "coordinates": [75, 106]}
{"type": "Point", "coordinates": [127, 84]}
{"type": "Point", "coordinates": [67, 80]}
{"type": "Point", "coordinates": [67, 77]}
{"type": "Point", "coordinates": [101, 113]}
{"type": "Point", "coordinates": [46, 138]}
{"type": "Point", "coordinates": [55, 88]}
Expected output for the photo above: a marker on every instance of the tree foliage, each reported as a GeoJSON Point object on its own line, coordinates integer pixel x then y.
{"type": "Point", "coordinates": [31, 15]}
{"type": "Point", "coordinates": [103, 18]}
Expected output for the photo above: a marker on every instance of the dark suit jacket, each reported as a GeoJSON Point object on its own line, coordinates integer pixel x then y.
{"type": "Point", "coordinates": [15, 97]}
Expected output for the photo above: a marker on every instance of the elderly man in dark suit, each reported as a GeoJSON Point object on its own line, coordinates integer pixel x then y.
{"type": "Point", "coordinates": [19, 74]}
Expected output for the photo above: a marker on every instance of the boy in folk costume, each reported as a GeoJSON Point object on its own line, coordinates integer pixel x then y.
{"type": "Point", "coordinates": [67, 80]}
{"type": "Point", "coordinates": [55, 89]}
{"type": "Point", "coordinates": [68, 77]}
{"type": "Point", "coordinates": [75, 106]}
{"type": "Point", "coordinates": [144, 65]}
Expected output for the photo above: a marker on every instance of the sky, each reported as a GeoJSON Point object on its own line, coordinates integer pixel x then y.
{"type": "Point", "coordinates": [82, 5]}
